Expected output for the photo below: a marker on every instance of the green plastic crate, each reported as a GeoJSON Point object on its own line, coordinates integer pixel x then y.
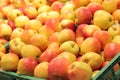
{"type": "Point", "coordinates": [107, 73]}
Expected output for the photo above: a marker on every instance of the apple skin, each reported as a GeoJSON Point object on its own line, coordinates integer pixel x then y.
{"type": "Point", "coordinates": [41, 70]}
{"type": "Point", "coordinates": [11, 24]}
{"type": "Point", "coordinates": [109, 5]}
{"type": "Point", "coordinates": [114, 30]}
{"type": "Point", "coordinates": [111, 50]}
{"type": "Point", "coordinates": [30, 51]}
{"type": "Point", "coordinates": [83, 15]}
{"type": "Point", "coordinates": [93, 59]}
{"type": "Point", "coordinates": [54, 37]}
{"type": "Point", "coordinates": [69, 46]}
{"type": "Point", "coordinates": [94, 6]}
{"type": "Point", "coordinates": [26, 66]}
{"type": "Point", "coordinates": [79, 71]}
{"type": "Point", "coordinates": [2, 48]}
{"type": "Point", "coordinates": [7, 60]}
{"type": "Point", "coordinates": [57, 68]}
{"type": "Point", "coordinates": [103, 19]}
{"type": "Point", "coordinates": [97, 1]}
{"type": "Point", "coordinates": [88, 30]}
{"type": "Point", "coordinates": [16, 33]}
{"type": "Point", "coordinates": [89, 45]}
{"type": "Point", "coordinates": [56, 6]}
{"type": "Point", "coordinates": [44, 8]}
{"type": "Point", "coordinates": [116, 39]}
{"type": "Point", "coordinates": [66, 35]}
{"type": "Point", "coordinates": [116, 15]}
{"type": "Point", "coordinates": [68, 55]}
{"type": "Point", "coordinates": [106, 37]}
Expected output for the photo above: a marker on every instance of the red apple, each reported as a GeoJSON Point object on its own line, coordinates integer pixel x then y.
{"type": "Point", "coordinates": [83, 15]}
{"type": "Point", "coordinates": [111, 50]}
{"type": "Point", "coordinates": [26, 66]}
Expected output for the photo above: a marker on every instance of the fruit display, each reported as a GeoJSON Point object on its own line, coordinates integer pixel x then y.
{"type": "Point", "coordinates": [59, 39]}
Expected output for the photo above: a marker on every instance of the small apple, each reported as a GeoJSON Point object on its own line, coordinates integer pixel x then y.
{"type": "Point", "coordinates": [43, 8]}
{"type": "Point", "coordinates": [57, 68]}
{"type": "Point", "coordinates": [103, 19]}
{"type": "Point", "coordinates": [20, 21]}
{"type": "Point", "coordinates": [69, 46]}
{"type": "Point", "coordinates": [41, 70]}
{"type": "Point", "coordinates": [83, 15]}
{"type": "Point", "coordinates": [9, 62]}
{"type": "Point", "coordinates": [15, 46]}
{"type": "Point", "coordinates": [68, 55]}
{"type": "Point", "coordinates": [89, 45]}
{"type": "Point", "coordinates": [30, 51]}
{"type": "Point", "coordinates": [116, 15]}
{"type": "Point", "coordinates": [17, 32]}
{"type": "Point", "coordinates": [106, 37]}
{"type": "Point", "coordinates": [114, 30]}
{"type": "Point", "coordinates": [109, 5]}
{"type": "Point", "coordinates": [79, 71]}
{"type": "Point", "coordinates": [111, 50]}
{"type": "Point", "coordinates": [26, 66]}
{"type": "Point", "coordinates": [93, 59]}
{"type": "Point", "coordinates": [40, 41]}
{"type": "Point", "coordinates": [30, 12]}
{"type": "Point", "coordinates": [66, 35]}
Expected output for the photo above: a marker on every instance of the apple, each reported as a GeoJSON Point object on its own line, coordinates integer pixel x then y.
{"type": "Point", "coordinates": [41, 70]}
{"type": "Point", "coordinates": [26, 66]}
{"type": "Point", "coordinates": [69, 46]}
{"type": "Point", "coordinates": [7, 60]}
{"type": "Point", "coordinates": [94, 6]}
{"type": "Point", "coordinates": [17, 32]}
{"type": "Point", "coordinates": [30, 51]}
{"type": "Point", "coordinates": [114, 30]}
{"type": "Point", "coordinates": [68, 55]}
{"type": "Point", "coordinates": [31, 12]}
{"type": "Point", "coordinates": [79, 71]}
{"type": "Point", "coordinates": [12, 14]}
{"type": "Point", "coordinates": [79, 41]}
{"type": "Point", "coordinates": [40, 41]}
{"type": "Point", "coordinates": [88, 30]}
{"type": "Point", "coordinates": [66, 24]}
{"type": "Point", "coordinates": [15, 46]}
{"type": "Point", "coordinates": [111, 50]}
{"type": "Point", "coordinates": [53, 14]}
{"type": "Point", "coordinates": [83, 15]}
{"type": "Point", "coordinates": [47, 55]}
{"type": "Point", "coordinates": [93, 59]}
{"type": "Point", "coordinates": [20, 21]}
{"type": "Point", "coordinates": [1, 55]}
{"type": "Point", "coordinates": [57, 68]}
{"type": "Point", "coordinates": [109, 5]}
{"type": "Point", "coordinates": [33, 24]}
{"type": "Point", "coordinates": [106, 37]}
{"type": "Point", "coordinates": [2, 48]}
{"type": "Point", "coordinates": [39, 3]}
{"type": "Point", "coordinates": [29, 33]}
{"type": "Point", "coordinates": [79, 29]}
{"type": "Point", "coordinates": [56, 6]}
{"type": "Point", "coordinates": [103, 19]}
{"type": "Point", "coordinates": [5, 31]}
{"type": "Point", "coordinates": [89, 45]}
{"type": "Point", "coordinates": [44, 8]}
{"type": "Point", "coordinates": [80, 3]}
{"type": "Point", "coordinates": [66, 35]}
{"type": "Point", "coordinates": [3, 41]}
{"type": "Point", "coordinates": [116, 39]}
{"type": "Point", "coordinates": [116, 15]}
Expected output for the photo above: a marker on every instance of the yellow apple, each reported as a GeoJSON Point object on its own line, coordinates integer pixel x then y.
{"type": "Point", "coordinates": [44, 8]}
{"type": "Point", "coordinates": [116, 39]}
{"type": "Point", "coordinates": [41, 70]}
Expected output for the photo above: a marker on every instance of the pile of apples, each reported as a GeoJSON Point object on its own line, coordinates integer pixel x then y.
{"type": "Point", "coordinates": [59, 39]}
